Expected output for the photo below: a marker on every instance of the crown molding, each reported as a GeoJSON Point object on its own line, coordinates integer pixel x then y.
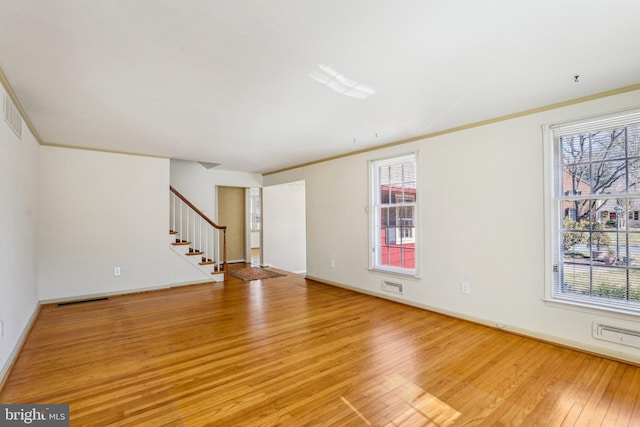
{"type": "Point", "coordinates": [101, 150]}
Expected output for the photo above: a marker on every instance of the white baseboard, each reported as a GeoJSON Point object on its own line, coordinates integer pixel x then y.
{"type": "Point", "coordinates": [284, 269]}
{"type": "Point", "coordinates": [600, 351]}
{"type": "Point", "coordinates": [122, 292]}
{"type": "Point", "coordinates": [13, 356]}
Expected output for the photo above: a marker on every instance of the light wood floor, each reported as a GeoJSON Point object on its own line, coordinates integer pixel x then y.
{"type": "Point", "coordinates": [291, 352]}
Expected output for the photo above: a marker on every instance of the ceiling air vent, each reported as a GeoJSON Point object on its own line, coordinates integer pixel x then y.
{"type": "Point", "coordinates": [12, 116]}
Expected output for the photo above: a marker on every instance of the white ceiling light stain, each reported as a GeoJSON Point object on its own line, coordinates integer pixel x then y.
{"type": "Point", "coordinates": [340, 83]}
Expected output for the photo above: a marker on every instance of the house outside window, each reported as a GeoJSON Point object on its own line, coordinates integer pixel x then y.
{"type": "Point", "coordinates": [595, 176]}
{"type": "Point", "coordinates": [394, 214]}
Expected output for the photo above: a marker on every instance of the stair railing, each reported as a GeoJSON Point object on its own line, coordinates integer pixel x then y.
{"type": "Point", "coordinates": [192, 226]}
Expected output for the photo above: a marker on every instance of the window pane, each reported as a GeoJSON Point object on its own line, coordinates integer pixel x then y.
{"type": "Point", "coordinates": [608, 144]}
{"type": "Point", "coordinates": [608, 177]}
{"type": "Point", "coordinates": [574, 149]}
{"type": "Point", "coordinates": [576, 279]}
{"type": "Point", "coordinates": [634, 176]}
{"type": "Point", "coordinates": [633, 141]}
{"type": "Point", "coordinates": [609, 283]}
{"type": "Point", "coordinates": [576, 246]}
{"type": "Point", "coordinates": [575, 180]}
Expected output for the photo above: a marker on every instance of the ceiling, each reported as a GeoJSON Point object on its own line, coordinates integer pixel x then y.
{"type": "Point", "coordinates": [262, 85]}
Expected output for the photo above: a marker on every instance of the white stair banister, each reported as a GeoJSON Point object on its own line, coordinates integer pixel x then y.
{"type": "Point", "coordinates": [194, 228]}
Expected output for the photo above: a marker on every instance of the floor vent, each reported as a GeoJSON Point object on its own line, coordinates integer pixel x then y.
{"type": "Point", "coordinates": [12, 116]}
{"type": "Point", "coordinates": [396, 288]}
{"type": "Point", "coordinates": [84, 301]}
{"type": "Point", "coordinates": [616, 334]}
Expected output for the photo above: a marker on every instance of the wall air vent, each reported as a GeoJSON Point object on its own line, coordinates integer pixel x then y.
{"type": "Point", "coordinates": [616, 334]}
{"type": "Point", "coordinates": [82, 301]}
{"type": "Point", "coordinates": [12, 116]}
{"type": "Point", "coordinates": [396, 288]}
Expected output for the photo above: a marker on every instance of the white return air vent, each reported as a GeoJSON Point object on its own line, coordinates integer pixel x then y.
{"type": "Point", "coordinates": [396, 288]}
{"type": "Point", "coordinates": [12, 116]}
{"type": "Point", "coordinates": [616, 334]}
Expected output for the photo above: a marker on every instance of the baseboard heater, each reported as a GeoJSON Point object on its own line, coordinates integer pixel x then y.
{"type": "Point", "coordinates": [82, 301]}
{"type": "Point", "coordinates": [616, 334]}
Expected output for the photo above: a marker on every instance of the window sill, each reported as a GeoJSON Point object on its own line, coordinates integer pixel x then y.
{"type": "Point", "coordinates": [591, 309]}
{"type": "Point", "coordinates": [409, 275]}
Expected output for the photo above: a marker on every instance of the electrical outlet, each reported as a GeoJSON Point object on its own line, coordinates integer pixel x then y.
{"type": "Point", "coordinates": [1, 329]}
{"type": "Point", "coordinates": [117, 271]}
{"type": "Point", "coordinates": [332, 264]}
{"type": "Point", "coordinates": [465, 287]}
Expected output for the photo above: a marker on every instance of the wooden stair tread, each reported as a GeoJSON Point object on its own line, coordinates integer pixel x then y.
{"type": "Point", "coordinates": [173, 232]}
{"type": "Point", "coordinates": [207, 263]}
{"type": "Point", "coordinates": [181, 243]}
{"type": "Point", "coordinates": [194, 253]}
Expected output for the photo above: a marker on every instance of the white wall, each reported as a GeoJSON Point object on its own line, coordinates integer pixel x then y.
{"type": "Point", "coordinates": [284, 226]}
{"type": "Point", "coordinates": [18, 245]}
{"type": "Point", "coordinates": [197, 183]}
{"type": "Point", "coordinates": [481, 219]}
{"type": "Point", "coordinates": [102, 210]}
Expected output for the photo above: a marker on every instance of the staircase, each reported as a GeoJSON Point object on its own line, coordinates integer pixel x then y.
{"type": "Point", "coordinates": [196, 238]}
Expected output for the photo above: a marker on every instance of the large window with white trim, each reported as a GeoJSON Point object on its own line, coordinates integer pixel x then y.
{"type": "Point", "coordinates": [394, 214]}
{"type": "Point", "coordinates": [596, 194]}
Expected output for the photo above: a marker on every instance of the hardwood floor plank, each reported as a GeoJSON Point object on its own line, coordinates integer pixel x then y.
{"type": "Point", "coordinates": [291, 352]}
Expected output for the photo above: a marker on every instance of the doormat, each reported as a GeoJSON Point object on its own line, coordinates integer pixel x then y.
{"type": "Point", "coordinates": [253, 273]}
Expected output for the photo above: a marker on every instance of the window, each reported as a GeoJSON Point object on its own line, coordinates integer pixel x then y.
{"type": "Point", "coordinates": [254, 208]}
{"type": "Point", "coordinates": [596, 196]}
{"type": "Point", "coordinates": [393, 214]}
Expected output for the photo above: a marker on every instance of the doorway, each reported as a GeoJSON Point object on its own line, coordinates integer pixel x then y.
{"type": "Point", "coordinates": [254, 226]}
{"type": "Point", "coordinates": [231, 213]}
